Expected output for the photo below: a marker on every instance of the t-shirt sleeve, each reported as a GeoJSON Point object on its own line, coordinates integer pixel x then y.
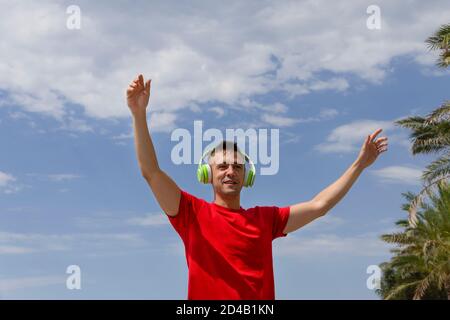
{"type": "Point", "coordinates": [187, 209]}
{"type": "Point", "coordinates": [279, 221]}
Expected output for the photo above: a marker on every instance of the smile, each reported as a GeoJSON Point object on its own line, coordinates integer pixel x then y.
{"type": "Point", "coordinates": [229, 182]}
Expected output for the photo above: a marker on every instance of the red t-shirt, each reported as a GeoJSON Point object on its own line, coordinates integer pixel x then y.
{"type": "Point", "coordinates": [228, 252]}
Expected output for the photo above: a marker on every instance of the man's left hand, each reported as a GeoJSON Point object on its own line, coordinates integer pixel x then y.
{"type": "Point", "coordinates": [371, 149]}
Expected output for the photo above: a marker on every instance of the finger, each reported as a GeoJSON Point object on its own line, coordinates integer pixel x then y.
{"type": "Point", "coordinates": [373, 136]}
{"type": "Point", "coordinates": [382, 150]}
{"type": "Point", "coordinates": [381, 139]}
{"type": "Point", "coordinates": [131, 92]}
{"type": "Point", "coordinates": [137, 82]}
{"type": "Point", "coordinates": [147, 86]}
{"type": "Point", "coordinates": [382, 145]}
{"type": "Point", "coordinates": [367, 140]}
{"type": "Point", "coordinates": [141, 80]}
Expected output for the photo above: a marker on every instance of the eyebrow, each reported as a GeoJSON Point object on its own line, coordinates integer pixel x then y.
{"type": "Point", "coordinates": [234, 164]}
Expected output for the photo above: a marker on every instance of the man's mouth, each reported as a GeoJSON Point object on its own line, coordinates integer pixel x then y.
{"type": "Point", "coordinates": [229, 182]}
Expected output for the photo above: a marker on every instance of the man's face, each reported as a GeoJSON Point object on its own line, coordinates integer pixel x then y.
{"type": "Point", "coordinates": [228, 172]}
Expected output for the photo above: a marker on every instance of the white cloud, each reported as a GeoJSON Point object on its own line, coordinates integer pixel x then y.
{"type": "Point", "coordinates": [63, 176]}
{"type": "Point", "coordinates": [335, 83]}
{"type": "Point", "coordinates": [162, 121]}
{"type": "Point", "coordinates": [18, 115]}
{"type": "Point", "coordinates": [8, 183]}
{"type": "Point", "coordinates": [328, 113]}
{"type": "Point", "coordinates": [350, 137]}
{"type": "Point", "coordinates": [225, 52]}
{"type": "Point", "coordinates": [289, 137]}
{"type": "Point", "coordinates": [325, 223]}
{"type": "Point", "coordinates": [324, 114]}
{"type": "Point", "coordinates": [273, 117]}
{"type": "Point", "coordinates": [218, 110]}
{"type": "Point", "coordinates": [5, 179]}
{"type": "Point", "coordinates": [14, 250]}
{"type": "Point", "coordinates": [399, 174]}
{"type": "Point", "coordinates": [156, 121]}
{"type": "Point", "coordinates": [328, 244]}
{"type": "Point", "coordinates": [13, 284]}
{"type": "Point", "coordinates": [56, 177]}
{"type": "Point", "coordinates": [278, 121]}
{"type": "Point", "coordinates": [150, 220]}
{"type": "Point", "coordinates": [275, 108]}
{"type": "Point", "coordinates": [71, 123]}
{"type": "Point", "coordinates": [24, 243]}
{"type": "Point", "coordinates": [123, 136]}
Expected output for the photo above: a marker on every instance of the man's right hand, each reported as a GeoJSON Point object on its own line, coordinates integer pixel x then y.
{"type": "Point", "coordinates": [138, 95]}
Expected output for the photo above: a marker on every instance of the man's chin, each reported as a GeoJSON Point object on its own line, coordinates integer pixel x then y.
{"type": "Point", "coordinates": [230, 191]}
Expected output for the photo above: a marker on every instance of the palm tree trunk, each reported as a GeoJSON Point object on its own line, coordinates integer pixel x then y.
{"type": "Point", "coordinates": [447, 287]}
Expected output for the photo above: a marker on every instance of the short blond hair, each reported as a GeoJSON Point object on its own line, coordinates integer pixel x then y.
{"type": "Point", "coordinates": [226, 146]}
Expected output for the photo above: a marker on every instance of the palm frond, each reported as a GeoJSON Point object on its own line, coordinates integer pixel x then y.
{"type": "Point", "coordinates": [418, 200]}
{"type": "Point", "coordinates": [430, 134]}
{"type": "Point", "coordinates": [397, 290]}
{"type": "Point", "coordinates": [402, 223]}
{"type": "Point", "coordinates": [440, 40]}
{"type": "Point", "coordinates": [440, 114]}
{"type": "Point", "coordinates": [400, 238]}
{"type": "Point", "coordinates": [444, 60]}
{"type": "Point", "coordinates": [439, 168]}
{"type": "Point", "coordinates": [422, 287]}
{"type": "Point", "coordinates": [413, 122]}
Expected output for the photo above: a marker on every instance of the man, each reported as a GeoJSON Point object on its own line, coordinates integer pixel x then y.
{"type": "Point", "coordinates": [229, 248]}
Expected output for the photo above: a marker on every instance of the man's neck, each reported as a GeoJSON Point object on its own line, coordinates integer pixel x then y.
{"type": "Point", "coordinates": [228, 202]}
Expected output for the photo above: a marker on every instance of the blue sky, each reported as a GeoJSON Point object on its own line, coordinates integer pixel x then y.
{"type": "Point", "coordinates": [70, 187]}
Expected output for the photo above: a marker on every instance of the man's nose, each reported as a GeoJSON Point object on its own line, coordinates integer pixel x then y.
{"type": "Point", "coordinates": [231, 171]}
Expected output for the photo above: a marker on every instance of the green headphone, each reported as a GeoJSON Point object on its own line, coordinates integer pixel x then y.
{"type": "Point", "coordinates": [204, 172]}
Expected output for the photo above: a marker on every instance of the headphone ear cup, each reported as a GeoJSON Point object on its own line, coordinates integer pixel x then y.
{"type": "Point", "coordinates": [204, 174]}
{"type": "Point", "coordinates": [253, 178]}
{"type": "Point", "coordinates": [247, 174]}
{"type": "Point", "coordinates": [208, 173]}
{"type": "Point", "coordinates": [200, 174]}
{"type": "Point", "coordinates": [250, 179]}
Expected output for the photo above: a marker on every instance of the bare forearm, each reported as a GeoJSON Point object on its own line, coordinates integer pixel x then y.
{"type": "Point", "coordinates": [145, 151]}
{"type": "Point", "coordinates": [331, 195]}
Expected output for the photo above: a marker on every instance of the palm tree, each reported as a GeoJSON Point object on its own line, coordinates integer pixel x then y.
{"type": "Point", "coordinates": [420, 267]}
{"type": "Point", "coordinates": [430, 135]}
{"type": "Point", "coordinates": [440, 40]}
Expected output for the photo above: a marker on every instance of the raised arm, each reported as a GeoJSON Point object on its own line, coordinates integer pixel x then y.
{"type": "Point", "coordinates": [166, 191]}
{"type": "Point", "coordinates": [305, 212]}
